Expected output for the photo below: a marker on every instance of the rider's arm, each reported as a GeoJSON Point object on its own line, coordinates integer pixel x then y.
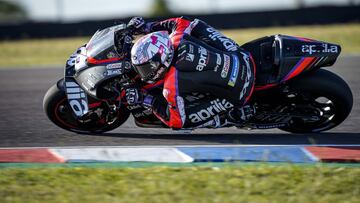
{"type": "Point", "coordinates": [211, 36]}
{"type": "Point", "coordinates": [169, 25]}
{"type": "Point", "coordinates": [198, 29]}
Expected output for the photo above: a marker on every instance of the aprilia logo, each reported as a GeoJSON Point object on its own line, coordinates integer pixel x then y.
{"type": "Point", "coordinates": [77, 98]}
{"type": "Point", "coordinates": [203, 59]}
{"type": "Point", "coordinates": [229, 44]}
{"type": "Point", "coordinates": [324, 48]}
{"type": "Point", "coordinates": [215, 108]}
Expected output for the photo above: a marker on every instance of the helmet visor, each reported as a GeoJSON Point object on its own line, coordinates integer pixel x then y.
{"type": "Point", "coordinates": [147, 71]}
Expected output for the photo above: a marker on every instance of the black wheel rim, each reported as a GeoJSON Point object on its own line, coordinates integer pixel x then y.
{"type": "Point", "coordinates": [319, 112]}
{"type": "Point", "coordinates": [65, 117]}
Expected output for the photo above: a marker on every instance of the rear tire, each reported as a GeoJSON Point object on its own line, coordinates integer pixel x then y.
{"type": "Point", "coordinates": [336, 104]}
{"type": "Point", "coordinates": [58, 110]}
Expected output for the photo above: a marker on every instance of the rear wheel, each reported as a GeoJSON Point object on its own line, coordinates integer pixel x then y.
{"type": "Point", "coordinates": [323, 97]}
{"type": "Point", "coordinates": [58, 110]}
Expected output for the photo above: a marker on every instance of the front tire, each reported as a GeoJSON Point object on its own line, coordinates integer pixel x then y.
{"type": "Point", "coordinates": [325, 95]}
{"type": "Point", "coordinates": [58, 110]}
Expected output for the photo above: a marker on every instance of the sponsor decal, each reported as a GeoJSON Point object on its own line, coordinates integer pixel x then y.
{"type": "Point", "coordinates": [182, 53]}
{"type": "Point", "coordinates": [229, 44]}
{"type": "Point", "coordinates": [268, 126]}
{"type": "Point", "coordinates": [211, 111]}
{"type": "Point", "coordinates": [191, 49]}
{"type": "Point", "coordinates": [77, 98]}
{"type": "Point", "coordinates": [225, 69]}
{"type": "Point", "coordinates": [133, 107]}
{"type": "Point", "coordinates": [234, 71]}
{"type": "Point", "coordinates": [111, 55]}
{"type": "Point", "coordinates": [114, 72]}
{"type": "Point", "coordinates": [190, 57]}
{"type": "Point", "coordinates": [324, 48]}
{"type": "Point", "coordinates": [114, 69]}
{"type": "Point", "coordinates": [248, 76]}
{"type": "Point", "coordinates": [144, 113]}
{"type": "Point", "coordinates": [181, 108]}
{"type": "Point", "coordinates": [90, 83]}
{"type": "Point", "coordinates": [114, 66]}
{"type": "Point", "coordinates": [202, 59]}
{"type": "Point", "coordinates": [218, 62]}
{"type": "Point", "coordinates": [71, 60]}
{"type": "Point", "coordinates": [218, 59]}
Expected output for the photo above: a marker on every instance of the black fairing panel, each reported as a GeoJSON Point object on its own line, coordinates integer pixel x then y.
{"type": "Point", "coordinates": [279, 58]}
{"type": "Point", "coordinates": [94, 78]}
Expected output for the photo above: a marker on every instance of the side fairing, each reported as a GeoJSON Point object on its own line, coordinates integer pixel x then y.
{"type": "Point", "coordinates": [77, 97]}
{"type": "Point", "coordinates": [94, 78]}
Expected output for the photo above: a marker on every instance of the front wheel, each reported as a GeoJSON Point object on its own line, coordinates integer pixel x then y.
{"type": "Point", "coordinates": [58, 110]}
{"type": "Point", "coordinates": [324, 97]}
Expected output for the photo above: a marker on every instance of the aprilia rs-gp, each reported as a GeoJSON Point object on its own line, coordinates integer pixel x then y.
{"type": "Point", "coordinates": [291, 92]}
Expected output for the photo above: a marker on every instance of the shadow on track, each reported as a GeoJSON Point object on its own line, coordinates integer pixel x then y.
{"type": "Point", "coordinates": [258, 139]}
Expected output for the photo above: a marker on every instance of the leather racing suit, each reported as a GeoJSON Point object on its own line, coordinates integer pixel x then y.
{"type": "Point", "coordinates": [205, 61]}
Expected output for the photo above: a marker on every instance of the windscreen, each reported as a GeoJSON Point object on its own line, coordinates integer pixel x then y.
{"type": "Point", "coordinates": [101, 45]}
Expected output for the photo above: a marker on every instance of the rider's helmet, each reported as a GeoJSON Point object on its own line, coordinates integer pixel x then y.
{"type": "Point", "coordinates": [151, 56]}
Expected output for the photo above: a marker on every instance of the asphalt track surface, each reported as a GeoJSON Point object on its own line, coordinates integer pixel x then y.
{"type": "Point", "coordinates": [24, 124]}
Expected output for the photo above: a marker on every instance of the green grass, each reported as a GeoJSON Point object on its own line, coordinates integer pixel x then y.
{"type": "Point", "coordinates": [46, 52]}
{"type": "Point", "coordinates": [247, 183]}
{"type": "Point", "coordinates": [38, 52]}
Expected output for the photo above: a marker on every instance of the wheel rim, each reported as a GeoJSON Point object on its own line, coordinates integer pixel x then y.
{"type": "Point", "coordinates": [320, 111]}
{"type": "Point", "coordinates": [64, 115]}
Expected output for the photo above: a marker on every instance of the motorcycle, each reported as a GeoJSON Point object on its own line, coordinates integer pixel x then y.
{"type": "Point", "coordinates": [291, 91]}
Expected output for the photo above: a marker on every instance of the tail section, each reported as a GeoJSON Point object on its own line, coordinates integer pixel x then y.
{"type": "Point", "coordinates": [280, 58]}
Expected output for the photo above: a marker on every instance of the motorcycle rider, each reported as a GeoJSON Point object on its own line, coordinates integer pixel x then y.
{"type": "Point", "coordinates": [188, 57]}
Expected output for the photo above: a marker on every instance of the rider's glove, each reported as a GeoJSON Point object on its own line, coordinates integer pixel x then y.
{"type": "Point", "coordinates": [134, 96]}
{"type": "Point", "coordinates": [123, 43]}
{"type": "Point", "coordinates": [138, 24]}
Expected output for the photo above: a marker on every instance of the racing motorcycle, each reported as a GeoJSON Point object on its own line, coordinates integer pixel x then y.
{"type": "Point", "coordinates": [291, 91]}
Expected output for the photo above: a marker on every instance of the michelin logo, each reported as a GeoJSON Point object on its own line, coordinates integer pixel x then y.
{"type": "Point", "coordinates": [234, 71]}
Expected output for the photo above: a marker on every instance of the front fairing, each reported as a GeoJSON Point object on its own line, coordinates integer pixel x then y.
{"type": "Point", "coordinates": [82, 78]}
{"type": "Point", "coordinates": [102, 46]}
{"type": "Point", "coordinates": [76, 96]}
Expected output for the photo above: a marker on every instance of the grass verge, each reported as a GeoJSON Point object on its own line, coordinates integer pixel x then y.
{"type": "Point", "coordinates": [247, 183]}
{"type": "Point", "coordinates": [45, 52]}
